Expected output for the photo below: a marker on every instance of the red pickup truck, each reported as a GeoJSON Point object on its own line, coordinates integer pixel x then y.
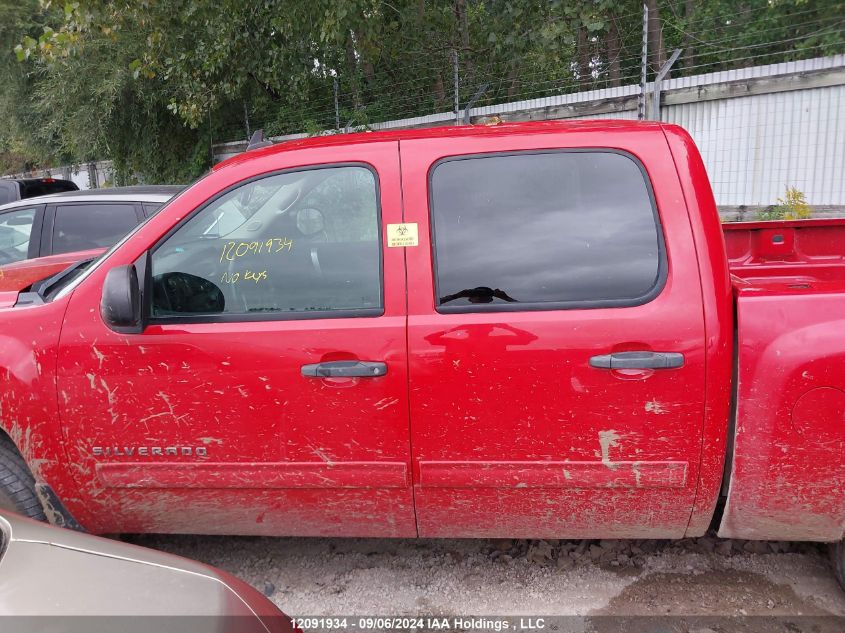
{"type": "Point", "coordinates": [524, 330]}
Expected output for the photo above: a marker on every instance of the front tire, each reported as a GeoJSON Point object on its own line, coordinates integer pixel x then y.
{"type": "Point", "coordinates": [17, 485]}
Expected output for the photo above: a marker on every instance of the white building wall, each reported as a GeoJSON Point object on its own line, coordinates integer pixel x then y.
{"type": "Point", "coordinates": [754, 147]}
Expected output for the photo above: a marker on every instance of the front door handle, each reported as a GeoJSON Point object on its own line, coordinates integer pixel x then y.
{"type": "Point", "coordinates": [345, 369]}
{"type": "Point", "coordinates": [638, 360]}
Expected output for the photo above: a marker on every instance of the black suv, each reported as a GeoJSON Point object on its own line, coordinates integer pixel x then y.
{"type": "Point", "coordinates": [12, 189]}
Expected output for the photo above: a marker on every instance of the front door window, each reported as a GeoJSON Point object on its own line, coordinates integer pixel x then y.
{"type": "Point", "coordinates": [288, 244]}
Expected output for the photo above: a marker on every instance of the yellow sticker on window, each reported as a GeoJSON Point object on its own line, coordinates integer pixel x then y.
{"type": "Point", "coordinates": [399, 235]}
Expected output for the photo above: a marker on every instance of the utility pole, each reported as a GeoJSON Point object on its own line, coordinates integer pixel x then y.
{"type": "Point", "coordinates": [643, 67]}
{"type": "Point", "coordinates": [457, 88]}
{"type": "Point", "coordinates": [336, 106]}
{"type": "Point", "coordinates": [210, 138]}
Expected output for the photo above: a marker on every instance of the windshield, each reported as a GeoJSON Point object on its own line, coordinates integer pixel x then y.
{"type": "Point", "coordinates": [71, 281]}
{"type": "Point", "coordinates": [50, 287]}
{"type": "Point", "coordinates": [258, 202]}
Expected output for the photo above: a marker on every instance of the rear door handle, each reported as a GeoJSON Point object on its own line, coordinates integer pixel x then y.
{"type": "Point", "coordinates": [638, 360]}
{"type": "Point", "coordinates": [345, 369]}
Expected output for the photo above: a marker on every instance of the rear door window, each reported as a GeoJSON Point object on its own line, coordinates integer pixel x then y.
{"type": "Point", "coordinates": [79, 227]}
{"type": "Point", "coordinates": [544, 230]}
{"type": "Point", "coordinates": [15, 234]}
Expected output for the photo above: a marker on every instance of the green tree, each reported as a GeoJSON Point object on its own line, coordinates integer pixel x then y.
{"type": "Point", "coordinates": [23, 140]}
{"type": "Point", "coordinates": [152, 83]}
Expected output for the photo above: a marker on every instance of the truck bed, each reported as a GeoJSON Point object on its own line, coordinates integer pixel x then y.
{"type": "Point", "coordinates": [789, 437]}
{"type": "Point", "coordinates": [788, 253]}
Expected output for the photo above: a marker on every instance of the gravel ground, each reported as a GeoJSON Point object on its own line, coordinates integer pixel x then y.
{"type": "Point", "coordinates": [591, 579]}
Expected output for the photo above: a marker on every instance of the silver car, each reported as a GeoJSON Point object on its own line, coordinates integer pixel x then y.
{"type": "Point", "coordinates": [74, 221]}
{"type": "Point", "coordinates": [61, 580]}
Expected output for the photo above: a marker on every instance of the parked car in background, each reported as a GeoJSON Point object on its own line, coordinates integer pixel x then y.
{"type": "Point", "coordinates": [12, 189]}
{"type": "Point", "coordinates": [50, 576]}
{"type": "Point", "coordinates": [75, 221]}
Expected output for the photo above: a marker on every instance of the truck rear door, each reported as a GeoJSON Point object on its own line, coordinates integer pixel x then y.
{"type": "Point", "coordinates": [556, 337]}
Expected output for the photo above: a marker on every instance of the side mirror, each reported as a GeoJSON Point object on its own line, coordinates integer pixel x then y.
{"type": "Point", "coordinates": [120, 306]}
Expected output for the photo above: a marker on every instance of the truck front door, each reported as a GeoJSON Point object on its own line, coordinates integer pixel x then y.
{"type": "Point", "coordinates": [556, 338]}
{"type": "Point", "coordinates": [267, 393]}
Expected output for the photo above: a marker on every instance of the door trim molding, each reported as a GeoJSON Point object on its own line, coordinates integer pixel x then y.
{"type": "Point", "coordinates": [545, 474]}
{"type": "Point", "coordinates": [271, 475]}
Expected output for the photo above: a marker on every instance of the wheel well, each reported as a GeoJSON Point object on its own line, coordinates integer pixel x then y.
{"type": "Point", "coordinates": [18, 481]}
{"type": "Point", "coordinates": [51, 505]}
{"type": "Point", "coordinates": [7, 439]}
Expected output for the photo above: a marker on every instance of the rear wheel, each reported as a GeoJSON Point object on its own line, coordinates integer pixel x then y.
{"type": "Point", "coordinates": [837, 557]}
{"type": "Point", "coordinates": [17, 485]}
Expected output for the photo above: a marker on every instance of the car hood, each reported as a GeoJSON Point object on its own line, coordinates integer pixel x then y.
{"type": "Point", "coordinates": [21, 275]}
{"type": "Point", "coordinates": [50, 571]}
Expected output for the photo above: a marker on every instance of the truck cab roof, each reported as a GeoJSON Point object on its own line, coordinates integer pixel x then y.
{"type": "Point", "coordinates": [444, 132]}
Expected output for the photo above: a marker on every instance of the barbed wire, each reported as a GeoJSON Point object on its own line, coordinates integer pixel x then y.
{"type": "Point", "coordinates": [755, 33]}
{"type": "Point", "coordinates": [730, 18]}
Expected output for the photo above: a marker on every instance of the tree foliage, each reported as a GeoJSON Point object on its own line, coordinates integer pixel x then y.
{"type": "Point", "coordinates": [152, 83]}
